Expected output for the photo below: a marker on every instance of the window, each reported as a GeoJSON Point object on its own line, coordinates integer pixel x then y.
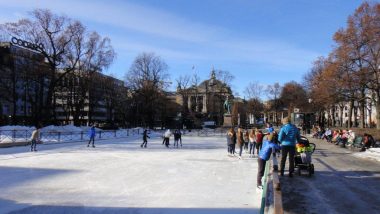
{"type": "Point", "coordinates": [345, 114]}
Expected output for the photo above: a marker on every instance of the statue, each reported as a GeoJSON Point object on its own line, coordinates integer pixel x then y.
{"type": "Point", "coordinates": [227, 106]}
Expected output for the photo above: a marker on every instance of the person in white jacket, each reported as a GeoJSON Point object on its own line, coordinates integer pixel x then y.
{"type": "Point", "coordinates": [167, 137]}
{"type": "Point", "coordinates": [35, 138]}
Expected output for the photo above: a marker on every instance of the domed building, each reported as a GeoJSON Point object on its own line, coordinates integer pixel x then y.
{"type": "Point", "coordinates": [204, 102]}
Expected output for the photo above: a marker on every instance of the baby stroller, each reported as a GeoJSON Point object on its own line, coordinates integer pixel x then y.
{"type": "Point", "coordinates": [304, 150]}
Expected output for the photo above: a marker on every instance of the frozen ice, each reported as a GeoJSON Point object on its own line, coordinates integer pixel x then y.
{"type": "Point", "coordinates": [120, 177]}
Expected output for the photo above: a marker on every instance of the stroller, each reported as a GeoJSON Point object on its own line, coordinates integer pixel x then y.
{"type": "Point", "coordinates": [304, 150]}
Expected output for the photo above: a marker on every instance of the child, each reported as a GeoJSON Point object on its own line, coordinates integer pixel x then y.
{"type": "Point", "coordinates": [145, 140]}
{"type": "Point", "coordinates": [264, 155]}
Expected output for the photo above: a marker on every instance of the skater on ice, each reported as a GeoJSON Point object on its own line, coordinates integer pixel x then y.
{"type": "Point", "coordinates": [35, 138]}
{"type": "Point", "coordinates": [145, 139]}
{"type": "Point", "coordinates": [91, 134]}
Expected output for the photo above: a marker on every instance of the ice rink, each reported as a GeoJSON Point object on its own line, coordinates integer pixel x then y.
{"type": "Point", "coordinates": [120, 177]}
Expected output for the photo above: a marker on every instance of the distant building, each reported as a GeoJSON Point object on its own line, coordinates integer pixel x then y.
{"type": "Point", "coordinates": [204, 102]}
{"type": "Point", "coordinates": [22, 83]}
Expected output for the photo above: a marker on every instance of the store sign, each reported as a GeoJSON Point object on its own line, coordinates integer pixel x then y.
{"type": "Point", "coordinates": [36, 47]}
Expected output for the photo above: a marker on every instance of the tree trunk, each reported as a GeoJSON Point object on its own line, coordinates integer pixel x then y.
{"type": "Point", "coordinates": [378, 112]}
{"type": "Point", "coordinates": [362, 117]}
{"type": "Point", "coordinates": [350, 111]}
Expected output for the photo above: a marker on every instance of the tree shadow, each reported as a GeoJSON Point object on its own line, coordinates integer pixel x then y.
{"type": "Point", "coordinates": [13, 207]}
{"type": "Point", "coordinates": [13, 176]}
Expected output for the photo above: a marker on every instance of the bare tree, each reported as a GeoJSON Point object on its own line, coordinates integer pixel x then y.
{"type": "Point", "coordinates": [273, 92]}
{"type": "Point", "coordinates": [148, 77]}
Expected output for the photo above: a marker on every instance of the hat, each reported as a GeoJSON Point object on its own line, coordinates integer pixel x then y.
{"type": "Point", "coordinates": [285, 120]}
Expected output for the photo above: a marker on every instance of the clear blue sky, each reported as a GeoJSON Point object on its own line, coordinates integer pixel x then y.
{"type": "Point", "coordinates": [263, 41]}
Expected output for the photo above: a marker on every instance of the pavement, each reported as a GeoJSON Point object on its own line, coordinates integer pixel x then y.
{"type": "Point", "coordinates": [342, 183]}
{"type": "Point", "coordinates": [120, 177]}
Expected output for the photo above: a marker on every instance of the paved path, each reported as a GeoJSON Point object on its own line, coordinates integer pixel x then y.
{"type": "Point", "coordinates": [342, 184]}
{"type": "Point", "coordinates": [120, 177]}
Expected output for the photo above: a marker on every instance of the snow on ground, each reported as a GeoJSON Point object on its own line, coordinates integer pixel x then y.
{"type": "Point", "coordinates": [120, 177]}
{"type": "Point", "coordinates": [372, 153]}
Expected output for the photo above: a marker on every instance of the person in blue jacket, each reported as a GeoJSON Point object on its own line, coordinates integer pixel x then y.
{"type": "Point", "coordinates": [91, 134]}
{"type": "Point", "coordinates": [268, 146]}
{"type": "Point", "coordinates": [288, 137]}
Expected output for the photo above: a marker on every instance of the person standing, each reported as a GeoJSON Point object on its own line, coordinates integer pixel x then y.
{"type": "Point", "coordinates": [240, 141]}
{"type": "Point", "coordinates": [91, 134]}
{"type": "Point", "coordinates": [288, 136]}
{"type": "Point", "coordinates": [231, 139]}
{"type": "Point", "coordinates": [259, 140]}
{"type": "Point", "coordinates": [145, 139]}
{"type": "Point", "coordinates": [252, 143]}
{"type": "Point", "coordinates": [246, 140]}
{"type": "Point", "coordinates": [268, 146]}
{"type": "Point", "coordinates": [35, 138]}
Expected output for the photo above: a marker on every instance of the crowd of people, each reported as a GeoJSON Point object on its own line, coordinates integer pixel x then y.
{"type": "Point", "coordinates": [343, 137]}
{"type": "Point", "coordinates": [260, 145]}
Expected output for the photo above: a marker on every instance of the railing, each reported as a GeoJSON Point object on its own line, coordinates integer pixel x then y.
{"type": "Point", "coordinates": [23, 136]}
{"type": "Point", "coordinates": [271, 199]}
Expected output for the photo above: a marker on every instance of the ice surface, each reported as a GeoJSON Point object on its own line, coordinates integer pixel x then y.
{"type": "Point", "coordinates": [120, 177]}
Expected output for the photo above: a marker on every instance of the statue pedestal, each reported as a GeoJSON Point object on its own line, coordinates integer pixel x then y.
{"type": "Point", "coordinates": [227, 122]}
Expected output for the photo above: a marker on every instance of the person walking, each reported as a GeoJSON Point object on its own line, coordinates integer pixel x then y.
{"type": "Point", "coordinates": [268, 146]}
{"type": "Point", "coordinates": [288, 136]}
{"type": "Point", "coordinates": [240, 141]}
{"type": "Point", "coordinates": [145, 139]}
{"type": "Point", "coordinates": [91, 134]}
{"type": "Point", "coordinates": [35, 138]}
{"type": "Point", "coordinates": [252, 143]}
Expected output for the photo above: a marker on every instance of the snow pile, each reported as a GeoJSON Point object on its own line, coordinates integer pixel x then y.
{"type": "Point", "coordinates": [372, 153]}
{"type": "Point", "coordinates": [16, 128]}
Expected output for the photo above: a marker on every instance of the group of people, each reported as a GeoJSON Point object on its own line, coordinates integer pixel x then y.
{"type": "Point", "coordinates": [343, 137]}
{"type": "Point", "coordinates": [177, 138]}
{"type": "Point", "coordinates": [265, 144]}
{"type": "Point", "coordinates": [250, 141]}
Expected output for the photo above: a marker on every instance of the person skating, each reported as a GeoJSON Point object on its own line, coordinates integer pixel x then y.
{"type": "Point", "coordinates": [264, 155]}
{"type": "Point", "coordinates": [35, 138]}
{"type": "Point", "coordinates": [288, 136]}
{"type": "Point", "coordinates": [91, 134]}
{"type": "Point", "coordinates": [167, 137]}
{"type": "Point", "coordinates": [177, 138]}
{"type": "Point", "coordinates": [145, 139]}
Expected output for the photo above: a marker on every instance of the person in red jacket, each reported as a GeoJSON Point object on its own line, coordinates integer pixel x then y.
{"type": "Point", "coordinates": [259, 140]}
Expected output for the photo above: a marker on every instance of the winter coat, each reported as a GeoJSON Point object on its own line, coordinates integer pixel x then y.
{"type": "Point", "coordinates": [259, 138]}
{"type": "Point", "coordinates": [289, 134]}
{"type": "Point", "coordinates": [91, 132]}
{"type": "Point", "coordinates": [167, 134]}
{"type": "Point", "coordinates": [266, 150]}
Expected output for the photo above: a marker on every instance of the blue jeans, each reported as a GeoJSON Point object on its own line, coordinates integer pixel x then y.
{"type": "Point", "coordinates": [252, 146]}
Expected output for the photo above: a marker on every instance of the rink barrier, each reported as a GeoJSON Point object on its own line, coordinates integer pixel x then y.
{"type": "Point", "coordinates": [21, 137]}
{"type": "Point", "coordinates": [271, 198]}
